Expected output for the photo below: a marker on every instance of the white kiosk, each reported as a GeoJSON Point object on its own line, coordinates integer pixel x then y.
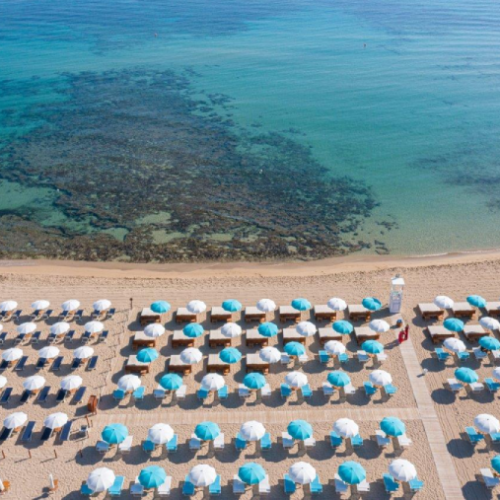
{"type": "Point", "coordinates": [396, 297]}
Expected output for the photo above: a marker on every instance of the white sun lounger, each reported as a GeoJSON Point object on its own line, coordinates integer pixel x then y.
{"type": "Point", "coordinates": [476, 387]}
{"type": "Point", "coordinates": [364, 486]}
{"type": "Point", "coordinates": [266, 391]}
{"type": "Point", "coordinates": [382, 439]}
{"type": "Point", "coordinates": [239, 486]}
{"type": "Point", "coordinates": [288, 441]}
{"type": "Point", "coordinates": [489, 479]}
{"type": "Point", "coordinates": [340, 486]}
{"type": "Point", "coordinates": [349, 389]}
{"type": "Point", "coordinates": [219, 442]}
{"type": "Point", "coordinates": [126, 445]}
{"type": "Point", "coordinates": [328, 389]}
{"type": "Point", "coordinates": [164, 489]}
{"type": "Point", "coordinates": [455, 385]}
{"type": "Point", "coordinates": [194, 442]}
{"type": "Point", "coordinates": [264, 486]}
{"type": "Point", "coordinates": [404, 441]}
{"type": "Point", "coordinates": [180, 393]}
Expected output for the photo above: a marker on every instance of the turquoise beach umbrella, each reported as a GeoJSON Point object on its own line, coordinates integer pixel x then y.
{"type": "Point", "coordinates": [392, 426]}
{"type": "Point", "coordinates": [489, 343]}
{"type": "Point", "coordinates": [301, 304]}
{"type": "Point", "coordinates": [372, 347]}
{"type": "Point", "coordinates": [371, 303]}
{"type": "Point", "coordinates": [160, 307]}
{"type": "Point", "coordinates": [147, 355]}
{"type": "Point", "coordinates": [230, 355]}
{"type": "Point", "coordinates": [232, 305]}
{"type": "Point", "coordinates": [295, 349]}
{"type": "Point", "coordinates": [114, 433]}
{"type": "Point", "coordinates": [254, 380]}
{"type": "Point", "coordinates": [251, 473]}
{"type": "Point", "coordinates": [476, 301]}
{"type": "Point", "coordinates": [152, 477]}
{"type": "Point", "coordinates": [193, 330]}
{"type": "Point", "coordinates": [207, 431]}
{"type": "Point", "coordinates": [495, 463]}
{"type": "Point", "coordinates": [171, 381]}
{"type": "Point", "coordinates": [300, 429]}
{"type": "Point", "coordinates": [454, 324]}
{"type": "Point", "coordinates": [268, 329]}
{"type": "Point", "coordinates": [352, 473]}
{"type": "Point", "coordinates": [338, 378]}
{"type": "Point", "coordinates": [343, 327]}
{"type": "Point", "coordinates": [466, 375]}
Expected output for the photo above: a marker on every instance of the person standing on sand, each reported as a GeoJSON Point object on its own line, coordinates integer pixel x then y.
{"type": "Point", "coordinates": [131, 303]}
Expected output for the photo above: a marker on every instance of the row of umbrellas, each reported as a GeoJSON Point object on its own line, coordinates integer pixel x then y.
{"type": "Point", "coordinates": [67, 306]}
{"type": "Point", "coordinates": [456, 345]}
{"type": "Point", "coordinates": [60, 328]}
{"type": "Point", "coordinates": [19, 418]}
{"type": "Point", "coordinates": [48, 352]}
{"type": "Point", "coordinates": [445, 302]}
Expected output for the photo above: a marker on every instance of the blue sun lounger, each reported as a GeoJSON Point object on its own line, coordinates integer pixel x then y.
{"type": "Point", "coordinates": [61, 395]}
{"type": "Point", "coordinates": [41, 363]}
{"type": "Point", "coordinates": [188, 488]}
{"type": "Point", "coordinates": [223, 392]}
{"type": "Point", "coordinates": [370, 390]}
{"type": "Point", "coordinates": [307, 391]}
{"type": "Point", "coordinates": [202, 394]}
{"type": "Point", "coordinates": [172, 444]}
{"type": "Point", "coordinates": [138, 394]}
{"type": "Point", "coordinates": [42, 395]}
{"type": "Point", "coordinates": [92, 363]}
{"type": "Point", "coordinates": [391, 486]}
{"type": "Point", "coordinates": [416, 484]}
{"type": "Point", "coordinates": [240, 443]}
{"type": "Point", "coordinates": [324, 357]}
{"type": "Point", "coordinates": [215, 487]}
{"type": "Point", "coordinates": [316, 486]}
{"type": "Point", "coordinates": [117, 486]}
{"type": "Point", "coordinates": [46, 434]}
{"type": "Point", "coordinates": [77, 398]}
{"type": "Point", "coordinates": [4, 365]}
{"type": "Point", "coordinates": [6, 434]}
{"type": "Point", "coordinates": [148, 446]}
{"type": "Point", "coordinates": [6, 395]}
{"type": "Point", "coordinates": [66, 431]}
{"type": "Point", "coordinates": [25, 396]}
{"type": "Point", "coordinates": [335, 439]}
{"type": "Point", "coordinates": [21, 364]}
{"type": "Point", "coordinates": [3, 337]}
{"type": "Point", "coordinates": [289, 485]}
{"type": "Point", "coordinates": [118, 394]}
{"type": "Point", "coordinates": [85, 490]}
{"type": "Point", "coordinates": [473, 435]}
{"type": "Point", "coordinates": [28, 431]}
{"type": "Point", "coordinates": [76, 363]}
{"type": "Point", "coordinates": [285, 390]}
{"type": "Point", "coordinates": [56, 365]}
{"type": "Point", "coordinates": [265, 442]}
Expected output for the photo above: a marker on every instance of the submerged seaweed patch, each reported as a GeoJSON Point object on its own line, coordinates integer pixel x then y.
{"type": "Point", "coordinates": [122, 146]}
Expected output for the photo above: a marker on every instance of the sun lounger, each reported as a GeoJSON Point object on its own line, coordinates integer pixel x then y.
{"type": "Point", "coordinates": [455, 385]}
{"type": "Point", "coordinates": [86, 337]}
{"type": "Point", "coordinates": [439, 333]}
{"type": "Point", "coordinates": [171, 445]}
{"type": "Point", "coordinates": [240, 443]}
{"type": "Point", "coordinates": [3, 337]}
{"type": "Point", "coordinates": [473, 435]}
{"type": "Point", "coordinates": [6, 434]}
{"type": "Point", "coordinates": [316, 486]}
{"type": "Point", "coordinates": [478, 354]}
{"type": "Point", "coordinates": [215, 487]}
{"type": "Point", "coordinates": [76, 363]}
{"type": "Point", "coordinates": [111, 313]}
{"type": "Point", "coordinates": [17, 315]}
{"type": "Point", "coordinates": [148, 446]}
{"type": "Point", "coordinates": [116, 487]}
{"type": "Point", "coordinates": [92, 363]}
{"type": "Point", "coordinates": [25, 396]}
{"type": "Point", "coordinates": [219, 442]}
{"type": "Point", "coordinates": [4, 365]}
{"type": "Point", "coordinates": [20, 338]}
{"type": "Point", "coordinates": [362, 356]}
{"type": "Point", "coordinates": [180, 393]}
{"type": "Point", "coordinates": [47, 314]}
{"type": "Point", "coordinates": [188, 488]}
{"type": "Point", "coordinates": [118, 394]}
{"type": "Point", "coordinates": [194, 442]}
{"type": "Point", "coordinates": [103, 337]}
{"type": "Point", "coordinates": [430, 311]}
{"type": "Point", "coordinates": [381, 357]}
{"type": "Point", "coordinates": [202, 394]}
{"type": "Point", "coordinates": [126, 445]}
{"type": "Point", "coordinates": [266, 391]}
{"type": "Point", "coordinates": [56, 365]}
{"type": "Point", "coordinates": [307, 391]}
{"type": "Point", "coordinates": [310, 442]}
{"type": "Point", "coordinates": [21, 364]}
{"type": "Point", "coordinates": [138, 394]}
{"type": "Point", "coordinates": [85, 490]}
{"type": "Point", "coordinates": [364, 486]}
{"type": "Point", "coordinates": [137, 489]}
{"type": "Point", "coordinates": [390, 389]}
{"type": "Point", "coordinates": [285, 359]}
{"type": "Point", "coordinates": [43, 394]}
{"type": "Point", "coordinates": [46, 434]}
{"type": "Point", "coordinates": [357, 441]}
{"type": "Point", "coordinates": [66, 431]}
{"type": "Point", "coordinates": [489, 479]}
{"type": "Point", "coordinates": [6, 395]}
{"type": "Point", "coordinates": [28, 431]}
{"type": "Point", "coordinates": [324, 357]}
{"type": "Point", "coordinates": [441, 354]}
{"type": "Point", "coordinates": [164, 489]}
{"type": "Point", "coordinates": [370, 389]}
{"type": "Point", "coordinates": [404, 441]}
{"type": "Point", "coordinates": [285, 390]}
{"type": "Point", "coordinates": [382, 439]}
{"type": "Point", "coordinates": [239, 486]}
{"type": "Point", "coordinates": [349, 389]}
{"type": "Point", "coordinates": [223, 392]}
{"type": "Point", "coordinates": [61, 395]}
{"type": "Point", "coordinates": [492, 385]}
{"type": "Point", "coordinates": [41, 363]}
{"type": "Point", "coordinates": [495, 437]}
{"type": "Point", "coordinates": [102, 447]}
{"type": "Point", "coordinates": [69, 336]}
{"type": "Point", "coordinates": [35, 338]}
{"type": "Point", "coordinates": [391, 486]}
{"type": "Point", "coordinates": [289, 485]}
{"type": "Point", "coordinates": [463, 356]}
{"type": "Point", "coordinates": [416, 484]}
{"type": "Point", "coordinates": [340, 486]}
{"type": "Point", "coordinates": [328, 389]}
{"type": "Point", "coordinates": [51, 338]}
{"type": "Point", "coordinates": [79, 315]}
{"type": "Point", "coordinates": [287, 440]}
{"type": "Point", "coordinates": [476, 387]}
{"type": "Point", "coordinates": [335, 439]}
{"type": "Point", "coordinates": [266, 442]}
{"type": "Point", "coordinates": [77, 398]}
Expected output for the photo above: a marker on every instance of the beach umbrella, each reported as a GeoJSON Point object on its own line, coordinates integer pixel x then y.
{"type": "Point", "coordinates": [213, 382]}
{"type": "Point", "coordinates": [252, 431]}
{"type": "Point", "coordinates": [334, 347]}
{"type": "Point", "coordinates": [191, 356]}
{"type": "Point", "coordinates": [56, 420]}
{"type": "Point", "coordinates": [231, 305]}
{"type": "Point", "coordinates": [230, 355]}
{"type": "Point", "coordinates": [476, 301]}
{"type": "Point", "coordinates": [392, 426]}
{"type": "Point", "coordinates": [466, 375]}
{"type": "Point", "coordinates": [379, 326]}
{"type": "Point", "coordinates": [202, 475]}
{"type": "Point", "coordinates": [371, 303]}
{"type": "Point", "coordinates": [254, 381]}
{"type": "Point", "coordinates": [101, 305]}
{"type": "Point", "coordinates": [302, 473]}
{"type": "Point", "coordinates": [193, 330]}
{"type": "Point", "coordinates": [26, 328]}
{"type": "Point", "coordinates": [48, 352]}
{"type": "Point", "coordinates": [489, 343]}
{"type": "Point", "coordinates": [402, 470]}
{"type": "Point", "coordinates": [171, 381]}
{"type": "Point", "coordinates": [487, 424]}
{"type": "Point", "coordinates": [336, 304]}
{"type": "Point", "coordinates": [266, 305]}
{"type": "Point", "coordinates": [346, 427]}
{"type": "Point", "coordinates": [3, 381]}
{"type": "Point", "coordinates": [270, 354]}
{"type": "Point", "coordinates": [300, 429]}
{"type": "Point", "coordinates": [231, 330]}
{"type": "Point", "coordinates": [83, 352]}
{"type": "Point", "coordinates": [71, 382]}
{"type": "Point", "coordinates": [15, 420]}
{"type": "Point", "coordinates": [295, 349]}
{"type": "Point", "coordinates": [296, 379]}
{"type": "Point", "coordinates": [454, 345]}
{"type": "Point", "coordinates": [160, 307]}
{"type": "Point", "coordinates": [495, 463]}
{"type": "Point", "coordinates": [152, 476]}
{"type": "Point", "coordinates": [114, 433]}
{"type": "Point", "coordinates": [251, 473]}
{"type": "Point", "coordinates": [268, 329]}
{"type": "Point", "coordinates": [196, 307]}
{"type": "Point", "coordinates": [496, 373]}
{"type": "Point", "coordinates": [306, 329]}
{"type": "Point", "coordinates": [154, 330]}
{"type": "Point", "coordinates": [147, 355]}
{"type": "Point", "coordinates": [100, 479]}
{"type": "Point", "coordinates": [34, 383]}
{"type": "Point", "coordinates": [12, 354]}
{"type": "Point", "coordinates": [207, 431]}
{"type": "Point", "coordinates": [301, 304]}
{"type": "Point", "coordinates": [129, 382]}
{"type": "Point", "coordinates": [453, 324]}
{"type": "Point", "coordinates": [343, 327]}
{"type": "Point", "coordinates": [40, 305]}
{"type": "Point", "coordinates": [70, 305]}
{"type": "Point", "coordinates": [59, 328]}
{"type": "Point", "coordinates": [338, 378]}
{"type": "Point", "coordinates": [380, 378]}
{"type": "Point", "coordinates": [490, 323]}
{"type": "Point", "coordinates": [372, 347]}
{"type": "Point", "coordinates": [351, 472]}
{"type": "Point", "coordinates": [160, 433]}
{"type": "Point", "coordinates": [94, 327]}
{"type": "Point", "coordinates": [444, 302]}
{"type": "Point", "coordinates": [8, 305]}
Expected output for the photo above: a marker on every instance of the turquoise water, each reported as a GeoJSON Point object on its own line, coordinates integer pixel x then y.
{"type": "Point", "coordinates": [403, 98]}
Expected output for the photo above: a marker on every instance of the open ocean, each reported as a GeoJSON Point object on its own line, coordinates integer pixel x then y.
{"type": "Point", "coordinates": [370, 126]}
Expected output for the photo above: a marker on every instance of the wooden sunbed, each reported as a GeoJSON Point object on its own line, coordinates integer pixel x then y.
{"type": "Point", "coordinates": [327, 334]}
{"type": "Point", "coordinates": [430, 311]}
{"type": "Point", "coordinates": [135, 366]}
{"type": "Point", "coordinates": [253, 314]}
{"type": "Point", "coordinates": [216, 339]}
{"type": "Point", "coordinates": [463, 310]}
{"type": "Point", "coordinates": [439, 333]}
{"type": "Point", "coordinates": [363, 333]}
{"type": "Point", "coordinates": [474, 332]}
{"type": "Point", "coordinates": [219, 314]}
{"type": "Point", "coordinates": [180, 340]}
{"type": "Point", "coordinates": [324, 313]}
{"type": "Point", "coordinates": [255, 364]}
{"type": "Point", "coordinates": [141, 340]}
{"type": "Point", "coordinates": [288, 313]}
{"type": "Point", "coordinates": [493, 308]}
{"type": "Point", "coordinates": [215, 364]}
{"type": "Point", "coordinates": [358, 312]}
{"type": "Point", "coordinates": [291, 335]}
{"type": "Point", "coordinates": [254, 339]}
{"type": "Point", "coordinates": [184, 316]}
{"type": "Point", "coordinates": [177, 366]}
{"type": "Point", "coordinates": [148, 316]}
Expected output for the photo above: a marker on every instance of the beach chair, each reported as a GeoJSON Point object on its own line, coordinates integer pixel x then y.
{"type": "Point", "coordinates": [382, 439]}
{"type": "Point", "coordinates": [362, 356]}
{"type": "Point", "coordinates": [455, 385]}
{"type": "Point", "coordinates": [370, 390]}
{"type": "Point", "coordinates": [285, 359]}
{"type": "Point", "coordinates": [77, 398]}
{"type": "Point", "coordinates": [103, 337]}
{"type": "Point", "coordinates": [61, 395]}
{"type": "Point", "coordinates": [16, 317]}
{"type": "Point", "coordinates": [77, 362]}
{"type": "Point", "coordinates": [138, 394]}
{"type": "Point", "coordinates": [307, 391]}
{"type": "Point", "coordinates": [6, 395]}
{"type": "Point", "coordinates": [102, 447]}
{"type": "Point", "coordinates": [28, 432]}
{"type": "Point", "coordinates": [349, 389]}
{"type": "Point", "coordinates": [51, 338]}
{"type": "Point", "coordinates": [266, 391]}
{"type": "Point", "coordinates": [118, 394]}
{"type": "Point", "coordinates": [194, 442]}
{"type": "Point", "coordinates": [172, 444]}
{"type": "Point", "coordinates": [126, 445]}
{"type": "Point", "coordinates": [86, 337]}
{"type": "Point", "coordinates": [473, 435]}
{"type": "Point", "coordinates": [47, 314]}
{"type": "Point", "coordinates": [4, 365]}
{"type": "Point", "coordinates": [43, 394]}
{"type": "Point", "coordinates": [164, 489]}
{"type": "Point", "coordinates": [21, 364]}
{"type": "Point", "coordinates": [441, 354]}
{"type": "Point", "coordinates": [69, 336]}
{"type": "Point", "coordinates": [324, 357]}
{"type": "Point", "coordinates": [25, 396]}
{"type": "Point", "coordinates": [340, 486]}
{"type": "Point", "coordinates": [364, 486]}
{"type": "Point", "coordinates": [239, 486]}
{"type": "Point", "coordinates": [180, 393]}
{"type": "Point", "coordinates": [3, 337]}
{"type": "Point", "coordinates": [243, 391]}
{"type": "Point", "coordinates": [66, 431]}
{"type": "Point", "coordinates": [56, 365]}
{"type": "Point", "coordinates": [148, 446]}
{"type": "Point", "coordinates": [391, 486]}
{"type": "Point", "coordinates": [219, 442]}
{"type": "Point", "coordinates": [357, 441]}
{"type": "Point", "coordinates": [316, 486]}
{"type": "Point", "coordinates": [79, 315]}
{"type": "Point", "coordinates": [495, 437]}
{"type": "Point", "coordinates": [215, 487]}
{"type": "Point", "coordinates": [137, 489]}
{"type": "Point", "coordinates": [41, 363]}
{"type": "Point", "coordinates": [188, 488]}
{"type": "Point", "coordinates": [116, 488]}
{"type": "Point", "coordinates": [416, 484]}
{"type": "Point", "coordinates": [489, 479]}
{"type": "Point", "coordinates": [335, 440]}
{"type": "Point", "coordinates": [111, 313]}
{"type": "Point", "coordinates": [478, 354]}
{"type": "Point", "coordinates": [46, 434]}
{"type": "Point", "coordinates": [285, 390]}
{"type": "Point", "coordinates": [6, 434]}
{"type": "Point", "coordinates": [223, 392]}
{"type": "Point", "coordinates": [266, 442]}
{"type": "Point", "coordinates": [85, 490]}
{"type": "Point", "coordinates": [492, 385]}
{"type": "Point", "coordinates": [264, 486]}
{"type": "Point", "coordinates": [159, 393]}
{"type": "Point", "coordinates": [381, 357]}
{"type": "Point", "coordinates": [303, 358]}
{"type": "Point", "coordinates": [404, 441]}
{"type": "Point", "coordinates": [289, 485]}
{"type": "Point", "coordinates": [20, 338]}
{"type": "Point", "coordinates": [240, 443]}
{"type": "Point", "coordinates": [343, 358]}
{"type": "Point", "coordinates": [463, 356]}
{"type": "Point", "coordinates": [390, 389]}
{"type": "Point", "coordinates": [287, 440]}
{"type": "Point", "coordinates": [35, 338]}
{"type": "Point", "coordinates": [202, 394]}
{"type": "Point", "coordinates": [92, 363]}
{"type": "Point", "coordinates": [328, 389]}
{"type": "Point", "coordinates": [476, 387]}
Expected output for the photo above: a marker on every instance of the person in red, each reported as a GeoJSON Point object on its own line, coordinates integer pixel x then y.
{"type": "Point", "coordinates": [401, 336]}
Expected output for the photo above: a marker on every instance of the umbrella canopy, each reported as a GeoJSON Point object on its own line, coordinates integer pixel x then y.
{"type": "Point", "coordinates": [40, 305]}
{"type": "Point", "coordinates": [402, 470]}
{"type": "Point", "coordinates": [495, 463]}
{"type": "Point", "coordinates": [154, 330]}
{"type": "Point", "coordinates": [270, 354]}
{"type": "Point", "coordinates": [26, 328]}
{"type": "Point", "coordinates": [254, 381]}
{"type": "Point", "coordinates": [171, 381]}
{"type": "Point", "coordinates": [266, 305]}
{"type": "Point", "coordinates": [301, 304]}
{"type": "Point", "coordinates": [101, 305]}
{"type": "Point", "coordinates": [343, 327]}
{"type": "Point", "coordinates": [3, 381]}
{"type": "Point", "coordinates": [306, 329]}
{"type": "Point", "coordinates": [230, 355]}
{"type": "Point", "coordinates": [34, 383]}
{"type": "Point", "coordinates": [392, 426]}
{"type": "Point", "coordinates": [114, 433]}
{"type": "Point", "coordinates": [338, 378]}
{"type": "Point", "coordinates": [207, 431]}
{"type": "Point", "coordinates": [346, 427]}
{"type": "Point", "coordinates": [193, 330]}
{"type": "Point", "coordinates": [129, 382]}
{"type": "Point", "coordinates": [160, 307]}
{"type": "Point", "coordinates": [15, 420]}
{"type": "Point", "coordinates": [487, 423]}
{"type": "Point", "coordinates": [295, 349]}
{"type": "Point", "coordinates": [94, 327]}
{"type": "Point", "coordinates": [454, 345]}
{"type": "Point", "coordinates": [101, 479]}
{"type": "Point", "coordinates": [302, 473]}
{"type": "Point", "coordinates": [476, 301]}
{"type": "Point", "coordinates": [337, 304]}
{"type": "Point", "coordinates": [83, 352]}
{"type": "Point", "coordinates": [371, 303]}
{"type": "Point", "coordinates": [380, 378]}
{"type": "Point", "coordinates": [496, 373]}
{"type": "Point", "coordinates": [71, 382]}
{"type": "Point", "coordinates": [12, 354]}
{"type": "Point", "coordinates": [454, 324]}
{"type": "Point", "coordinates": [296, 379]}
{"type": "Point", "coordinates": [489, 343]}
{"type": "Point", "coordinates": [147, 355]}
{"type": "Point", "coordinates": [70, 305]}
{"type": "Point", "coordinates": [55, 420]}
{"type": "Point", "coordinates": [252, 431]}
{"type": "Point", "coordinates": [160, 433]}
{"type": "Point", "coordinates": [213, 382]}
{"type": "Point", "coordinates": [372, 347]}
{"type": "Point", "coordinates": [490, 323]}
{"type": "Point", "coordinates": [232, 305]}
{"type": "Point", "coordinates": [196, 307]}
{"type": "Point", "coordinates": [379, 326]}
{"type": "Point", "coordinates": [444, 302]}
{"type": "Point", "coordinates": [268, 329]}
{"type": "Point", "coordinates": [8, 305]}
{"type": "Point", "coordinates": [48, 352]}
{"type": "Point", "coordinates": [59, 328]}
{"type": "Point", "coordinates": [466, 375]}
{"type": "Point", "coordinates": [191, 356]}
{"type": "Point", "coordinates": [300, 429]}
{"type": "Point", "coordinates": [152, 476]}
{"type": "Point", "coordinates": [231, 330]}
{"type": "Point", "coordinates": [202, 475]}
{"type": "Point", "coordinates": [251, 473]}
{"type": "Point", "coordinates": [334, 347]}
{"type": "Point", "coordinates": [351, 472]}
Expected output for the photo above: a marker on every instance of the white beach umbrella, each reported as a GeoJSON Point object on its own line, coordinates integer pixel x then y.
{"type": "Point", "coordinates": [101, 479]}
{"type": "Point", "coordinates": [3, 381]}
{"type": "Point", "coordinates": [48, 352]}
{"type": "Point", "coordinates": [270, 354]}
{"type": "Point", "coordinates": [70, 305]}
{"type": "Point", "coordinates": [231, 330]}
{"type": "Point", "coordinates": [34, 383]}
{"type": "Point", "coordinates": [191, 356]}
{"type": "Point", "coordinates": [71, 382]}
{"type": "Point", "coordinates": [129, 382]}
{"type": "Point", "coordinates": [444, 302]}
{"type": "Point", "coordinates": [26, 328]}
{"type": "Point", "coordinates": [337, 304]}
{"type": "Point", "coordinates": [160, 433]}
{"type": "Point", "coordinates": [346, 427]}
{"type": "Point", "coordinates": [202, 475]}
{"type": "Point", "coordinates": [252, 431]}
{"type": "Point", "coordinates": [83, 352]}
{"type": "Point", "coordinates": [380, 377]}
{"type": "Point", "coordinates": [306, 329]}
{"type": "Point", "coordinates": [487, 423]}
{"type": "Point", "coordinates": [402, 470]}
{"type": "Point", "coordinates": [302, 473]}
{"type": "Point", "coordinates": [334, 347]}
{"type": "Point", "coordinates": [101, 305]}
{"type": "Point", "coordinates": [59, 328]}
{"type": "Point", "coordinates": [490, 323]}
{"type": "Point", "coordinates": [12, 354]}
{"type": "Point", "coordinates": [296, 379]}
{"type": "Point", "coordinates": [40, 305]}
{"type": "Point", "coordinates": [196, 307]}
{"type": "Point", "coordinates": [15, 420]}
{"type": "Point", "coordinates": [55, 420]}
{"type": "Point", "coordinates": [379, 326]}
{"type": "Point", "coordinates": [154, 330]}
{"type": "Point", "coordinates": [94, 327]}
{"type": "Point", "coordinates": [454, 345]}
{"type": "Point", "coordinates": [8, 305]}
{"type": "Point", "coordinates": [266, 305]}
{"type": "Point", "coordinates": [213, 382]}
